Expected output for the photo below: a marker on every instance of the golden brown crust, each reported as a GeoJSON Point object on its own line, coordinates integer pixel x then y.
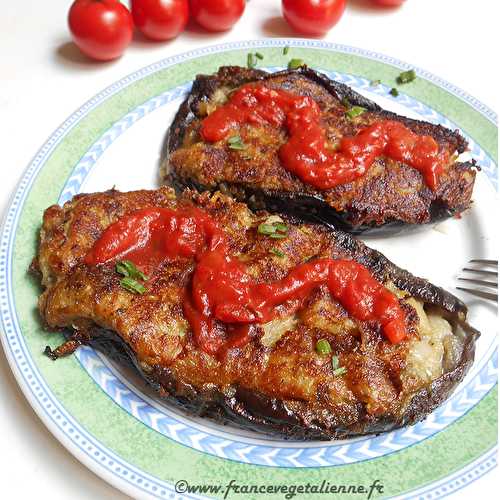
{"type": "Point", "coordinates": [391, 191]}
{"type": "Point", "coordinates": [287, 377]}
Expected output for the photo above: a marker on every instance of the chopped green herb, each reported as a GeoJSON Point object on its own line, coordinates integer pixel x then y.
{"type": "Point", "coordinates": [285, 50]}
{"type": "Point", "coordinates": [281, 227]}
{"type": "Point", "coordinates": [258, 55]}
{"type": "Point", "coordinates": [266, 229]}
{"type": "Point", "coordinates": [277, 252]}
{"type": "Point", "coordinates": [346, 102]}
{"type": "Point", "coordinates": [295, 63]}
{"type": "Point", "coordinates": [335, 362]}
{"type": "Point", "coordinates": [375, 83]}
{"type": "Point", "coordinates": [337, 369]}
{"type": "Point", "coordinates": [122, 268]}
{"type": "Point", "coordinates": [340, 371]}
{"type": "Point", "coordinates": [323, 347]}
{"type": "Point", "coordinates": [406, 76]}
{"type": "Point", "coordinates": [273, 227]}
{"type": "Point", "coordinates": [129, 270]}
{"type": "Point", "coordinates": [354, 112]}
{"type": "Point", "coordinates": [235, 142]}
{"type": "Point", "coordinates": [394, 92]}
{"type": "Point", "coordinates": [251, 62]}
{"type": "Point", "coordinates": [132, 285]}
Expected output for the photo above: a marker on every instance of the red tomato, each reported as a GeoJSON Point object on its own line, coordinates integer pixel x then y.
{"type": "Point", "coordinates": [313, 17]}
{"type": "Point", "coordinates": [217, 15]}
{"type": "Point", "coordinates": [101, 29]}
{"type": "Point", "coordinates": [389, 3]}
{"type": "Point", "coordinates": [160, 19]}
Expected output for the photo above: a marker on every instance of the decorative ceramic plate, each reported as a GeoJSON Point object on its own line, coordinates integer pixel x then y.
{"type": "Point", "coordinates": [116, 425]}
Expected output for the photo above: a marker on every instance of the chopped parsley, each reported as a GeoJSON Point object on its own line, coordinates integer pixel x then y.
{"type": "Point", "coordinates": [354, 112]}
{"type": "Point", "coordinates": [285, 50]}
{"type": "Point", "coordinates": [258, 55]}
{"type": "Point", "coordinates": [406, 77]}
{"type": "Point", "coordinates": [394, 92]}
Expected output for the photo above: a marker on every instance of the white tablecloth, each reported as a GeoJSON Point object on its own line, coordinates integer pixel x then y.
{"type": "Point", "coordinates": [43, 78]}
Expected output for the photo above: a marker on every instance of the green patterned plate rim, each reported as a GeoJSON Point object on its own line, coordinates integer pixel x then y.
{"type": "Point", "coordinates": [134, 457]}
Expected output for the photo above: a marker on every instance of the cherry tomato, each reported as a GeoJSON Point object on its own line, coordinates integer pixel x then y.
{"type": "Point", "coordinates": [160, 19]}
{"type": "Point", "coordinates": [102, 29]}
{"type": "Point", "coordinates": [389, 3]}
{"type": "Point", "coordinates": [313, 17]}
{"type": "Point", "coordinates": [217, 15]}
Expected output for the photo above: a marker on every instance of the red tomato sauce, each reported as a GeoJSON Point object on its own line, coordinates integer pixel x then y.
{"type": "Point", "coordinates": [307, 153]}
{"type": "Point", "coordinates": [223, 303]}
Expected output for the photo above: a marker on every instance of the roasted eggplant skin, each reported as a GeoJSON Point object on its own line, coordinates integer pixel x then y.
{"type": "Point", "coordinates": [66, 235]}
{"type": "Point", "coordinates": [384, 204]}
{"type": "Point", "coordinates": [253, 410]}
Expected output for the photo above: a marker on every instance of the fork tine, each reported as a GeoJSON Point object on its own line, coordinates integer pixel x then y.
{"type": "Point", "coordinates": [480, 293]}
{"type": "Point", "coordinates": [485, 261]}
{"type": "Point", "coordinates": [480, 282]}
{"type": "Point", "coordinates": [481, 271]}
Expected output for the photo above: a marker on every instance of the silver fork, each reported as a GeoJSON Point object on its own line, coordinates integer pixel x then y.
{"type": "Point", "coordinates": [484, 274]}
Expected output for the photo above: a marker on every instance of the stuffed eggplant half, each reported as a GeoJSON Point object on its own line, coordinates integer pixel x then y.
{"type": "Point", "coordinates": [297, 141]}
{"type": "Point", "coordinates": [273, 324]}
